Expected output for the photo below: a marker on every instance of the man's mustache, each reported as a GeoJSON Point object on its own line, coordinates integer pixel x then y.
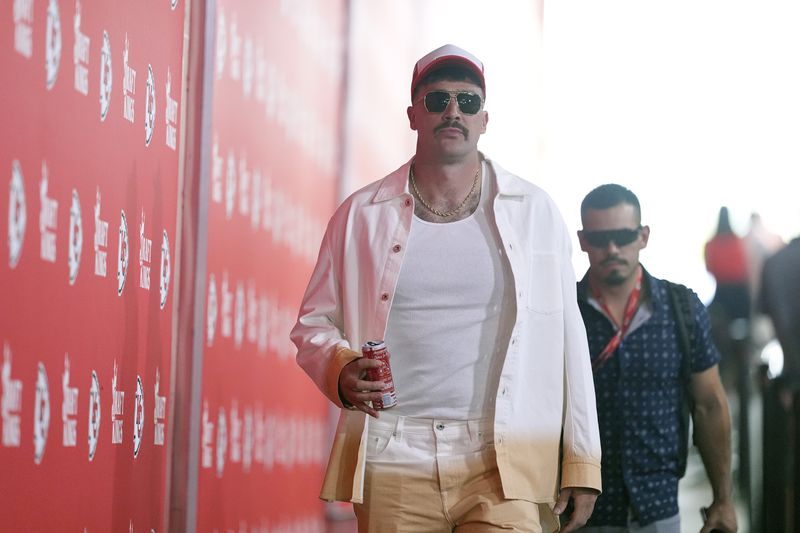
{"type": "Point", "coordinates": [451, 124]}
{"type": "Point", "coordinates": [612, 260]}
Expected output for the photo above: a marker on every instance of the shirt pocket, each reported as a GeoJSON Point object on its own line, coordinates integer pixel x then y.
{"type": "Point", "coordinates": [544, 285]}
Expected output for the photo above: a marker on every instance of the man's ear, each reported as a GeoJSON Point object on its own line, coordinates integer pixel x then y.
{"type": "Point", "coordinates": [582, 241]}
{"type": "Point", "coordinates": [412, 122]}
{"type": "Point", "coordinates": [485, 121]}
{"type": "Point", "coordinates": [645, 235]}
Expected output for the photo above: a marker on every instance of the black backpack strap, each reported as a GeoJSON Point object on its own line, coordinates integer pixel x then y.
{"type": "Point", "coordinates": [680, 299]}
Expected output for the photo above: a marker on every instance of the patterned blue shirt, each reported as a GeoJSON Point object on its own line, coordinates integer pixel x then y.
{"type": "Point", "coordinates": [639, 404]}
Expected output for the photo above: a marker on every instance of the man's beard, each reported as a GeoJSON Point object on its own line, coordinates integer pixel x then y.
{"type": "Point", "coordinates": [615, 278]}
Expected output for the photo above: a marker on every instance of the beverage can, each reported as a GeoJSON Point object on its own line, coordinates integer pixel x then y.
{"type": "Point", "coordinates": [377, 350]}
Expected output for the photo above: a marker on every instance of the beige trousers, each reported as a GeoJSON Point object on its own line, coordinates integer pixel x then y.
{"type": "Point", "coordinates": [428, 475]}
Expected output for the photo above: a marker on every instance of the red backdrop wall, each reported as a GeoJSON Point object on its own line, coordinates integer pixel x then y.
{"type": "Point", "coordinates": [89, 163]}
{"type": "Point", "coordinates": [276, 119]}
{"type": "Point", "coordinates": [90, 166]}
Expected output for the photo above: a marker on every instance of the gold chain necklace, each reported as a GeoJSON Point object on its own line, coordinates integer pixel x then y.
{"type": "Point", "coordinates": [453, 211]}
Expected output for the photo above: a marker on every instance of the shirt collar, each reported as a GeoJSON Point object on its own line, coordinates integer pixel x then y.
{"type": "Point", "coordinates": [396, 183]}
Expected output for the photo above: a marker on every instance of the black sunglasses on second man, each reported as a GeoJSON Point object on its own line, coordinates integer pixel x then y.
{"type": "Point", "coordinates": [620, 237]}
{"type": "Point", "coordinates": [437, 101]}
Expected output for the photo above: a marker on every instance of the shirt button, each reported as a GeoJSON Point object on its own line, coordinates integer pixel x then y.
{"type": "Point", "coordinates": [440, 426]}
{"type": "Point", "coordinates": [396, 248]}
{"type": "Point", "coordinates": [385, 296]}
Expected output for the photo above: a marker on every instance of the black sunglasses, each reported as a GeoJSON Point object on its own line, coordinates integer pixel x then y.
{"type": "Point", "coordinates": [437, 101]}
{"type": "Point", "coordinates": [620, 237]}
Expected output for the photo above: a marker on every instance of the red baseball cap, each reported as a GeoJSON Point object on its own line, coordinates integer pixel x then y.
{"type": "Point", "coordinates": [448, 54]}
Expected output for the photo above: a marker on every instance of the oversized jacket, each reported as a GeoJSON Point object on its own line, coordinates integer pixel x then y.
{"type": "Point", "coordinates": [545, 413]}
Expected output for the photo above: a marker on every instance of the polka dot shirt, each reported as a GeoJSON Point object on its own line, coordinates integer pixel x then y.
{"type": "Point", "coordinates": [639, 404]}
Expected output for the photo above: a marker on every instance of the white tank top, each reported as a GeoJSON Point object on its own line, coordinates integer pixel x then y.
{"type": "Point", "coordinates": [451, 317]}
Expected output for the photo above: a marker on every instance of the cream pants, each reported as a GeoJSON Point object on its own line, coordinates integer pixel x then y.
{"type": "Point", "coordinates": [428, 475]}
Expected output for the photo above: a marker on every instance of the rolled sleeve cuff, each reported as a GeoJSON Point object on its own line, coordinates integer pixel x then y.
{"type": "Point", "coordinates": [341, 357]}
{"type": "Point", "coordinates": [585, 474]}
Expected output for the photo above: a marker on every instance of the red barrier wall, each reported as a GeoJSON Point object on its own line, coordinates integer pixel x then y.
{"type": "Point", "coordinates": [92, 156]}
{"type": "Point", "coordinates": [273, 172]}
{"type": "Point", "coordinates": [89, 161]}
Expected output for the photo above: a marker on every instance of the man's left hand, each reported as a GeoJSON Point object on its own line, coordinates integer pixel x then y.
{"type": "Point", "coordinates": [721, 517]}
{"type": "Point", "coordinates": [582, 506]}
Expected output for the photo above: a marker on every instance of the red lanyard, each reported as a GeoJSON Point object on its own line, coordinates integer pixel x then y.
{"type": "Point", "coordinates": [630, 310]}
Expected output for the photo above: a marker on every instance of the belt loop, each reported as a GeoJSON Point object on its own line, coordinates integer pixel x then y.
{"type": "Point", "coordinates": [398, 427]}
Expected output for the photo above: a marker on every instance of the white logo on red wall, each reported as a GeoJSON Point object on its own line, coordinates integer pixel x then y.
{"type": "Point", "coordinates": [23, 27]}
{"type": "Point", "coordinates": [149, 107]}
{"type": "Point", "coordinates": [206, 452]}
{"type": "Point", "coordinates": [100, 241]}
{"type": "Point", "coordinates": [166, 270]}
{"type": "Point", "coordinates": [235, 49]}
{"type": "Point", "coordinates": [52, 48]}
{"type": "Point", "coordinates": [11, 402]}
{"type": "Point", "coordinates": [138, 417]}
{"type": "Point", "coordinates": [227, 307]}
{"type": "Point", "coordinates": [244, 186]}
{"type": "Point", "coordinates": [75, 237]}
{"type": "Point", "coordinates": [248, 67]}
{"type": "Point", "coordinates": [94, 415]}
{"type": "Point", "coordinates": [41, 415]}
{"type": "Point", "coordinates": [171, 115]}
{"type": "Point", "coordinates": [230, 185]}
{"type": "Point", "coordinates": [222, 441]}
{"type": "Point", "coordinates": [216, 172]}
{"type": "Point", "coordinates": [69, 408]}
{"type": "Point", "coordinates": [145, 253]}
{"type": "Point", "coordinates": [252, 313]}
{"type": "Point", "coordinates": [17, 215]}
{"type": "Point", "coordinates": [48, 218]}
{"type": "Point", "coordinates": [117, 407]}
{"type": "Point", "coordinates": [222, 43]}
{"type": "Point", "coordinates": [247, 439]}
{"type": "Point", "coordinates": [263, 324]}
{"type": "Point", "coordinates": [105, 76]}
{"type": "Point", "coordinates": [211, 318]}
{"type": "Point", "coordinates": [261, 75]}
{"type": "Point", "coordinates": [128, 85]}
{"type": "Point", "coordinates": [159, 412]}
{"type": "Point", "coordinates": [255, 197]}
{"type": "Point", "coordinates": [80, 53]}
{"type": "Point", "coordinates": [122, 253]}
{"type": "Point", "coordinates": [239, 316]}
{"type": "Point", "coordinates": [236, 433]}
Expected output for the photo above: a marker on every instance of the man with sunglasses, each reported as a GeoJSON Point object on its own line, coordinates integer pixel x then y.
{"type": "Point", "coordinates": [635, 326]}
{"type": "Point", "coordinates": [465, 271]}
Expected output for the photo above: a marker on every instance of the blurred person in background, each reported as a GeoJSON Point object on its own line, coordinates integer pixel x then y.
{"type": "Point", "coordinates": [780, 300]}
{"type": "Point", "coordinates": [760, 243]}
{"type": "Point", "coordinates": [465, 271]}
{"type": "Point", "coordinates": [726, 259]}
{"type": "Point", "coordinates": [644, 377]}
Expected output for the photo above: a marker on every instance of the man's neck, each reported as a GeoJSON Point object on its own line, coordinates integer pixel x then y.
{"type": "Point", "coordinates": [444, 185]}
{"type": "Point", "coordinates": [441, 174]}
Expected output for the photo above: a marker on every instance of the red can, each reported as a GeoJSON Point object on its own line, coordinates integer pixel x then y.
{"type": "Point", "coordinates": [377, 350]}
